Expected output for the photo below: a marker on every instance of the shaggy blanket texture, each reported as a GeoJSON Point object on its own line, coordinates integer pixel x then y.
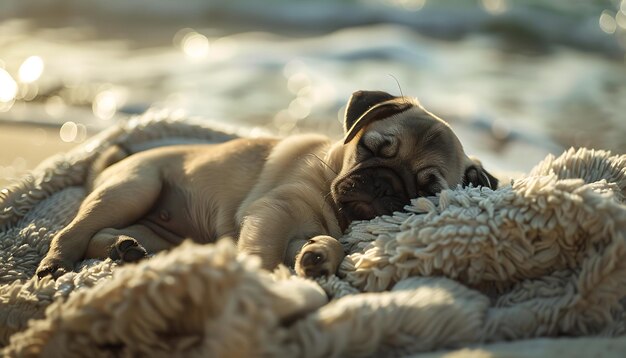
{"type": "Point", "coordinates": [540, 262]}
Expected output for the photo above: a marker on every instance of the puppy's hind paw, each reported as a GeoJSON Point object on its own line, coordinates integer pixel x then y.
{"type": "Point", "coordinates": [127, 249]}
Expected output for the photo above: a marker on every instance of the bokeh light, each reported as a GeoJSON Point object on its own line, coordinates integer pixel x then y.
{"type": "Point", "coordinates": [409, 5]}
{"type": "Point", "coordinates": [68, 131]}
{"type": "Point", "coordinates": [195, 45]}
{"type": "Point", "coordinates": [55, 106]}
{"type": "Point", "coordinates": [607, 22]}
{"type": "Point", "coordinates": [620, 18]}
{"type": "Point", "coordinates": [297, 82]}
{"type": "Point", "coordinates": [300, 108]}
{"type": "Point", "coordinates": [81, 133]}
{"type": "Point", "coordinates": [31, 69]}
{"type": "Point", "coordinates": [27, 91]}
{"type": "Point", "coordinates": [6, 106]}
{"type": "Point", "coordinates": [284, 122]}
{"type": "Point", "coordinates": [105, 105]}
{"type": "Point", "coordinates": [8, 87]}
{"type": "Point", "coordinates": [494, 7]}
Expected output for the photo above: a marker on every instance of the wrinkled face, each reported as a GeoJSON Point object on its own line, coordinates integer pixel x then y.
{"type": "Point", "coordinates": [388, 162]}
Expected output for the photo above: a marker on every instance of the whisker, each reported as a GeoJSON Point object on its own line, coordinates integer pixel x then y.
{"type": "Point", "coordinates": [332, 170]}
{"type": "Point", "coordinates": [323, 162]}
{"type": "Point", "coordinates": [399, 88]}
{"type": "Point", "coordinates": [325, 199]}
{"type": "Point", "coordinates": [486, 178]}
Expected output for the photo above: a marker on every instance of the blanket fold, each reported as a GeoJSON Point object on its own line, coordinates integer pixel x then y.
{"type": "Point", "coordinates": [541, 258]}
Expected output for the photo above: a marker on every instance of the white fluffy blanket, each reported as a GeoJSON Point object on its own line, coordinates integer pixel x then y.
{"type": "Point", "coordinates": [541, 262]}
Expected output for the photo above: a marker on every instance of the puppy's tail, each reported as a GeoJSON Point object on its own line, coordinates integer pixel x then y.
{"type": "Point", "coordinates": [107, 157]}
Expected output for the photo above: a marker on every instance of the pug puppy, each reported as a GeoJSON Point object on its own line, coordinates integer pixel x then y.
{"type": "Point", "coordinates": [287, 201]}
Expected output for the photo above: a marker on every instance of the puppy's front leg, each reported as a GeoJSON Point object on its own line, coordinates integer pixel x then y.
{"type": "Point", "coordinates": [272, 225]}
{"type": "Point", "coordinates": [266, 230]}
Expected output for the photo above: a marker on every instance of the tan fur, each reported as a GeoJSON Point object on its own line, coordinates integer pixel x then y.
{"type": "Point", "coordinates": [286, 201]}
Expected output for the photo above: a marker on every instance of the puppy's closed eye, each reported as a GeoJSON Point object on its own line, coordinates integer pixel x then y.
{"type": "Point", "coordinates": [430, 182]}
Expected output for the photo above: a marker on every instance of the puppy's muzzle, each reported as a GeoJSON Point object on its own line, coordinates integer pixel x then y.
{"type": "Point", "coordinates": [369, 192]}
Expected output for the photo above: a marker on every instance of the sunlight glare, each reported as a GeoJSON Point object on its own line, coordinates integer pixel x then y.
{"type": "Point", "coordinates": [6, 106]}
{"type": "Point", "coordinates": [8, 87]}
{"type": "Point", "coordinates": [68, 131]}
{"type": "Point", "coordinates": [31, 69]}
{"type": "Point", "coordinates": [284, 122]}
{"type": "Point", "coordinates": [607, 23]}
{"type": "Point", "coordinates": [409, 5]}
{"type": "Point", "coordinates": [195, 45]}
{"type": "Point", "coordinates": [105, 105]}
{"type": "Point", "coordinates": [297, 82]}
{"type": "Point", "coordinates": [55, 106]}
{"type": "Point", "coordinates": [494, 7]}
{"type": "Point", "coordinates": [81, 133]}
{"type": "Point", "coordinates": [27, 92]}
{"type": "Point", "coordinates": [620, 19]}
{"type": "Point", "coordinates": [300, 108]}
{"type": "Point", "coordinates": [292, 67]}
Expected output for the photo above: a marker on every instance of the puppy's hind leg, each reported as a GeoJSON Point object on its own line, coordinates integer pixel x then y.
{"type": "Point", "coordinates": [126, 245]}
{"type": "Point", "coordinates": [118, 202]}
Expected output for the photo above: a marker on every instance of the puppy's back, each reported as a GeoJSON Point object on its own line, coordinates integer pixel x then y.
{"type": "Point", "coordinates": [108, 157]}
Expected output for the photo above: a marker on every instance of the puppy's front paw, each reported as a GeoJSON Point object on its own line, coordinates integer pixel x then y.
{"type": "Point", "coordinates": [319, 257]}
{"type": "Point", "coordinates": [53, 266]}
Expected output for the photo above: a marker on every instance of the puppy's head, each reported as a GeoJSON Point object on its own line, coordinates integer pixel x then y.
{"type": "Point", "coordinates": [395, 150]}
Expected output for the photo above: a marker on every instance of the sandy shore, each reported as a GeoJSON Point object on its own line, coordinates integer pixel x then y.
{"type": "Point", "coordinates": [24, 146]}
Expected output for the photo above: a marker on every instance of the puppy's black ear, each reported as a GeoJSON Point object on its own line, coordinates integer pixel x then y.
{"type": "Point", "coordinates": [477, 176]}
{"type": "Point", "coordinates": [365, 107]}
{"type": "Point", "coordinates": [360, 102]}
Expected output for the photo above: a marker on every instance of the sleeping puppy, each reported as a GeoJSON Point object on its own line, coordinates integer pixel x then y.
{"type": "Point", "coordinates": [287, 201]}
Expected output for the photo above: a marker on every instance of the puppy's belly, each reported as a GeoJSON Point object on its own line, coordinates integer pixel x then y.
{"type": "Point", "coordinates": [169, 217]}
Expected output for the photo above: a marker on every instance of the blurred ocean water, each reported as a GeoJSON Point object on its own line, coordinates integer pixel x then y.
{"type": "Point", "coordinates": [516, 79]}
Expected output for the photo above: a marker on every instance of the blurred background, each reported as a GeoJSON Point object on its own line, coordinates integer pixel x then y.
{"type": "Point", "coordinates": [516, 79]}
